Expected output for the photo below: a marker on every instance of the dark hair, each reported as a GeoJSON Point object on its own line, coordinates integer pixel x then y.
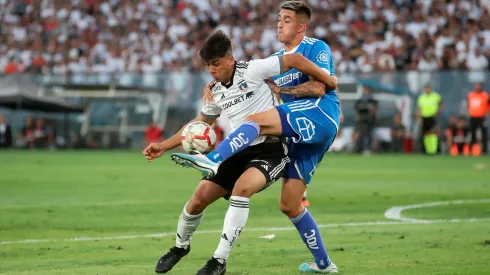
{"type": "Point", "coordinates": [299, 7]}
{"type": "Point", "coordinates": [216, 46]}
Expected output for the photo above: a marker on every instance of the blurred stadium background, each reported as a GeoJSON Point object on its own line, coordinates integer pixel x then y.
{"type": "Point", "coordinates": [117, 74]}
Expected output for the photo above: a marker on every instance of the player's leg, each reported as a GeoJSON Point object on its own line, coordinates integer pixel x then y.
{"type": "Point", "coordinates": [290, 204]}
{"type": "Point", "coordinates": [316, 128]}
{"type": "Point", "coordinates": [259, 174]}
{"type": "Point", "coordinates": [430, 136]}
{"type": "Point", "coordinates": [484, 135]}
{"type": "Point", "coordinates": [473, 129]}
{"type": "Point", "coordinates": [205, 194]}
{"type": "Point", "coordinates": [236, 217]}
{"type": "Point", "coordinates": [274, 122]}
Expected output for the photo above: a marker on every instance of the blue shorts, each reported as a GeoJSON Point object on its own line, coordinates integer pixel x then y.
{"type": "Point", "coordinates": [311, 125]}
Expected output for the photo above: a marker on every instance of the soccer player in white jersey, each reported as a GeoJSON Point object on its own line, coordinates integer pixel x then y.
{"type": "Point", "coordinates": [310, 118]}
{"type": "Point", "coordinates": [239, 91]}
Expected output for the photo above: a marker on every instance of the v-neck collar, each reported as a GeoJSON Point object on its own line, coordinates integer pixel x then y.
{"type": "Point", "coordinates": [227, 86]}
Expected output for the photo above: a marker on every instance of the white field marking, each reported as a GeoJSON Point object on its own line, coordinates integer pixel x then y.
{"type": "Point", "coordinates": [286, 228]}
{"type": "Point", "coordinates": [395, 212]}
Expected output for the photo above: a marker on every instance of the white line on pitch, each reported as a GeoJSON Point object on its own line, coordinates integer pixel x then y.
{"type": "Point", "coordinates": [395, 212]}
{"type": "Point", "coordinates": [287, 228]}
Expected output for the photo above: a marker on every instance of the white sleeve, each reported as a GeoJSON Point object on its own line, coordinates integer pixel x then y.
{"type": "Point", "coordinates": [265, 68]}
{"type": "Point", "coordinates": [211, 110]}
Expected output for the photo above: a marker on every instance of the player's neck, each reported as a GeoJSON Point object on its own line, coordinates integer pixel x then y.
{"type": "Point", "coordinates": [294, 43]}
{"type": "Point", "coordinates": [229, 75]}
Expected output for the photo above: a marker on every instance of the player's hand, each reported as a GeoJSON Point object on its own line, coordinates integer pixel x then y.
{"type": "Point", "coordinates": [273, 85]}
{"type": "Point", "coordinates": [153, 151]}
{"type": "Point", "coordinates": [208, 94]}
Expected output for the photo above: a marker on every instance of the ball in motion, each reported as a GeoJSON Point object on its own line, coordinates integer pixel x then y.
{"type": "Point", "coordinates": [198, 136]}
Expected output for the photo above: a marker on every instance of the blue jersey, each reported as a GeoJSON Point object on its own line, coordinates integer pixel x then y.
{"type": "Point", "coordinates": [312, 123]}
{"type": "Point", "coordinates": [316, 51]}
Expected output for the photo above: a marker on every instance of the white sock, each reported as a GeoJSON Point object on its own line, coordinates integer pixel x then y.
{"type": "Point", "coordinates": [186, 227]}
{"type": "Point", "coordinates": [235, 220]}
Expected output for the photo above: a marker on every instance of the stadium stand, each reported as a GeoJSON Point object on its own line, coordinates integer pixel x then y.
{"type": "Point", "coordinates": [77, 36]}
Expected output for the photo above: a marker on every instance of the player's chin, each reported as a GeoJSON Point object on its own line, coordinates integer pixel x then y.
{"type": "Point", "coordinates": [280, 37]}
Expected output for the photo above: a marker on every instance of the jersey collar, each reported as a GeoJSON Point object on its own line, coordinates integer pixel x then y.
{"type": "Point", "coordinates": [295, 48]}
{"type": "Point", "coordinates": [229, 84]}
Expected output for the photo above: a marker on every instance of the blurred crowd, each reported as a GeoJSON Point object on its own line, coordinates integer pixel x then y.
{"type": "Point", "coordinates": [97, 36]}
{"type": "Point", "coordinates": [35, 133]}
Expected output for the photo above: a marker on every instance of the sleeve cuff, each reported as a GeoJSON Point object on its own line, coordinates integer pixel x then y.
{"type": "Point", "coordinates": [209, 116]}
{"type": "Point", "coordinates": [281, 64]}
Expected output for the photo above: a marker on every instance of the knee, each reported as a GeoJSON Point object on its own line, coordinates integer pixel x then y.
{"type": "Point", "coordinates": [244, 190]}
{"type": "Point", "coordinates": [290, 209]}
{"type": "Point", "coordinates": [256, 118]}
{"type": "Point", "coordinates": [196, 205]}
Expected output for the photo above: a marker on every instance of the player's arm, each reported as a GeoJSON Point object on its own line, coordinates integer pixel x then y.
{"type": "Point", "coordinates": [311, 88]}
{"type": "Point", "coordinates": [309, 68]}
{"type": "Point", "coordinates": [275, 65]}
{"type": "Point", "coordinates": [321, 57]}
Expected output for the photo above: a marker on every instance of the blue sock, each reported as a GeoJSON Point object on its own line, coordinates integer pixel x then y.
{"type": "Point", "coordinates": [236, 142]}
{"type": "Point", "coordinates": [308, 230]}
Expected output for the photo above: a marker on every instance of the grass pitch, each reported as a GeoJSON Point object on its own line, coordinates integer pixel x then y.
{"type": "Point", "coordinates": [49, 201]}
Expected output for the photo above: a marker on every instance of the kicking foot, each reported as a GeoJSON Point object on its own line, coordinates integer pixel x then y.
{"type": "Point", "coordinates": [199, 162]}
{"type": "Point", "coordinates": [313, 268]}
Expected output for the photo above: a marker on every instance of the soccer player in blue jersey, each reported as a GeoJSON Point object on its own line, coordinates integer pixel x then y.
{"type": "Point", "coordinates": [309, 117]}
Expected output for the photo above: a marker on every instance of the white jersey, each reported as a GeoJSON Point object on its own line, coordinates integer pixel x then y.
{"type": "Point", "coordinates": [246, 94]}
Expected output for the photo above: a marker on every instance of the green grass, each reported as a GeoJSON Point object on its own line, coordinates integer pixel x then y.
{"type": "Point", "coordinates": [58, 195]}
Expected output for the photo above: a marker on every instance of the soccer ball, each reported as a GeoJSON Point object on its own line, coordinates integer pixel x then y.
{"type": "Point", "coordinates": [198, 136]}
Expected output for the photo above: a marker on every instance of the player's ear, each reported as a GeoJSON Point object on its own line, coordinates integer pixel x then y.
{"type": "Point", "coordinates": [302, 28]}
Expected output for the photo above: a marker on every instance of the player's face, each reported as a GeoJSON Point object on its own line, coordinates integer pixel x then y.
{"type": "Point", "coordinates": [288, 26]}
{"type": "Point", "coordinates": [221, 68]}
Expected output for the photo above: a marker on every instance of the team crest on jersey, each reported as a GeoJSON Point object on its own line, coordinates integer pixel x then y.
{"type": "Point", "coordinates": [322, 57]}
{"type": "Point", "coordinates": [243, 87]}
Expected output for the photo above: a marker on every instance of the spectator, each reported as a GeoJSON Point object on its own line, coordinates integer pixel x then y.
{"type": "Point", "coordinates": [366, 108]}
{"type": "Point", "coordinates": [27, 133]}
{"type": "Point", "coordinates": [5, 134]}
{"type": "Point", "coordinates": [43, 135]}
{"type": "Point", "coordinates": [12, 67]}
{"type": "Point", "coordinates": [153, 133]}
{"type": "Point", "coordinates": [397, 134]}
{"type": "Point", "coordinates": [476, 61]}
{"type": "Point", "coordinates": [478, 107]}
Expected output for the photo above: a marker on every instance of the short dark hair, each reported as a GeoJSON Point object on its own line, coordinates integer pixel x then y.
{"type": "Point", "coordinates": [216, 46]}
{"type": "Point", "coordinates": [299, 7]}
